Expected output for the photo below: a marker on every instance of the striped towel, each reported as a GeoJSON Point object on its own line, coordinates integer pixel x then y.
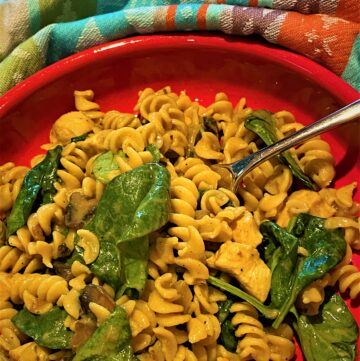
{"type": "Point", "coordinates": [36, 33]}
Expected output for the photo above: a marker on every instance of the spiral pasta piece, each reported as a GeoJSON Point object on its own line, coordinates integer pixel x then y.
{"type": "Point", "coordinates": [73, 160]}
{"type": "Point", "coordinates": [317, 161]}
{"type": "Point", "coordinates": [348, 279]}
{"type": "Point", "coordinates": [11, 178]}
{"type": "Point", "coordinates": [201, 174]}
{"type": "Point", "coordinates": [13, 260]}
{"type": "Point", "coordinates": [211, 229]}
{"type": "Point", "coordinates": [38, 292]}
{"type": "Point", "coordinates": [116, 120]}
{"type": "Point", "coordinates": [184, 196]}
{"type": "Point", "coordinates": [253, 344]}
{"type": "Point", "coordinates": [280, 342]}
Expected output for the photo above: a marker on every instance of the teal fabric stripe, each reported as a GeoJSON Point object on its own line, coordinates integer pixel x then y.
{"type": "Point", "coordinates": [238, 2]}
{"type": "Point", "coordinates": [186, 16]}
{"type": "Point", "coordinates": [34, 15]}
{"type": "Point", "coordinates": [141, 19]}
{"type": "Point", "coordinates": [42, 39]}
{"type": "Point", "coordinates": [112, 27]}
{"type": "Point", "coordinates": [265, 3]}
{"type": "Point", "coordinates": [213, 17]}
{"type": "Point", "coordinates": [351, 73]}
{"type": "Point", "coordinates": [109, 6]}
{"type": "Point", "coordinates": [63, 40]}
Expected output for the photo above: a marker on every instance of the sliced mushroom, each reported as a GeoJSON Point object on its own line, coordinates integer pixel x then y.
{"type": "Point", "coordinates": [84, 328]}
{"type": "Point", "coordinates": [97, 294]}
{"type": "Point", "coordinates": [63, 270]}
{"type": "Point", "coordinates": [79, 210]}
{"type": "Point", "coordinates": [2, 233]}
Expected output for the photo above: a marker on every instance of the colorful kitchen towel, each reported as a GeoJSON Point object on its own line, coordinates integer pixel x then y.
{"type": "Point", "coordinates": [36, 33]}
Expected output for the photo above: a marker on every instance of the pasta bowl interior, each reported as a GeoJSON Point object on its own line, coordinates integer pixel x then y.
{"type": "Point", "coordinates": [126, 222]}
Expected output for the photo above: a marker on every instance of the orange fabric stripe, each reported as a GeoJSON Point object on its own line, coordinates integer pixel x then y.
{"type": "Point", "coordinates": [319, 38]}
{"type": "Point", "coordinates": [253, 2]}
{"type": "Point", "coordinates": [220, 1]}
{"type": "Point", "coordinates": [201, 16]}
{"type": "Point", "coordinates": [349, 10]}
{"type": "Point", "coordinates": [170, 17]}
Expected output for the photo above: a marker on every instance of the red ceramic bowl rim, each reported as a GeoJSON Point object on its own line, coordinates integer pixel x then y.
{"type": "Point", "coordinates": [298, 63]}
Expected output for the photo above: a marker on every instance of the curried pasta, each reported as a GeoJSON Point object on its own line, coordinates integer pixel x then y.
{"type": "Point", "coordinates": [132, 244]}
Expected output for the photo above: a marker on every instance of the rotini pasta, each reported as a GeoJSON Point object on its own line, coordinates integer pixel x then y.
{"type": "Point", "coordinates": [60, 259]}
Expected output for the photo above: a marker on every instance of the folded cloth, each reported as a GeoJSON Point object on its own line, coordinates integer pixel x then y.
{"type": "Point", "coordinates": [36, 33]}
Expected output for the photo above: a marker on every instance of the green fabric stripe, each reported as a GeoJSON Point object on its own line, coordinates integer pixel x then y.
{"type": "Point", "coordinates": [34, 15]}
{"type": "Point", "coordinates": [25, 60]}
{"type": "Point", "coordinates": [351, 73]}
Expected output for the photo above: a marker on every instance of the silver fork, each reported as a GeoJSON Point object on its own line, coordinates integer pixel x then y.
{"type": "Point", "coordinates": [242, 167]}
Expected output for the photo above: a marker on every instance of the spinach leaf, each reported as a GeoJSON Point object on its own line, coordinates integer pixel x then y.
{"type": "Point", "coordinates": [209, 125]}
{"type": "Point", "coordinates": [133, 258]}
{"type": "Point", "coordinates": [325, 248]}
{"type": "Point", "coordinates": [154, 150]}
{"type": "Point", "coordinates": [227, 335]}
{"type": "Point", "coordinates": [261, 123]}
{"type": "Point", "coordinates": [133, 205]}
{"type": "Point", "coordinates": [79, 138]}
{"type": "Point", "coordinates": [107, 265]}
{"type": "Point", "coordinates": [267, 311]}
{"type": "Point", "coordinates": [224, 310]}
{"type": "Point", "coordinates": [329, 336]}
{"type": "Point", "coordinates": [38, 184]}
{"type": "Point", "coordinates": [282, 262]}
{"type": "Point", "coordinates": [47, 330]}
{"type": "Point", "coordinates": [103, 165]}
{"type": "Point", "coordinates": [110, 342]}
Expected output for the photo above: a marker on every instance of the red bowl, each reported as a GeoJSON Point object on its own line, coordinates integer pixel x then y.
{"type": "Point", "coordinates": [269, 77]}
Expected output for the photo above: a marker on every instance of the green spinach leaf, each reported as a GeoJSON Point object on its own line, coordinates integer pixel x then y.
{"type": "Point", "coordinates": [103, 165]}
{"type": "Point", "coordinates": [47, 330]}
{"type": "Point", "coordinates": [110, 342]}
{"type": "Point", "coordinates": [79, 138]}
{"type": "Point", "coordinates": [224, 310]}
{"type": "Point", "coordinates": [227, 335]}
{"type": "Point", "coordinates": [38, 184]}
{"type": "Point", "coordinates": [267, 311]}
{"type": "Point", "coordinates": [261, 123]}
{"type": "Point", "coordinates": [133, 257]}
{"type": "Point", "coordinates": [329, 336]}
{"type": "Point", "coordinates": [133, 205]}
{"type": "Point", "coordinates": [282, 261]}
{"type": "Point", "coordinates": [325, 249]}
{"type": "Point", "coordinates": [155, 152]}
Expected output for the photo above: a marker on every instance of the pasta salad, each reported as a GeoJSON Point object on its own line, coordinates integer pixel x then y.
{"type": "Point", "coordinates": [125, 241]}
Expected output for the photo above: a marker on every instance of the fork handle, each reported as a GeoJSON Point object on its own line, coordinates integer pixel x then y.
{"type": "Point", "coordinates": [340, 117]}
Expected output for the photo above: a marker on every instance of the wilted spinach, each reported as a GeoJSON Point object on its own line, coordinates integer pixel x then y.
{"type": "Point", "coordinates": [261, 123]}
{"type": "Point", "coordinates": [106, 163]}
{"type": "Point", "coordinates": [155, 152]}
{"type": "Point", "coordinates": [282, 261]}
{"type": "Point", "coordinates": [133, 260]}
{"type": "Point", "coordinates": [110, 341]}
{"type": "Point", "coordinates": [133, 205]}
{"type": "Point", "coordinates": [103, 165]}
{"type": "Point", "coordinates": [38, 186]}
{"type": "Point", "coordinates": [47, 330]}
{"type": "Point", "coordinates": [209, 125]}
{"type": "Point", "coordinates": [292, 272]}
{"type": "Point", "coordinates": [267, 311]}
{"type": "Point", "coordinates": [329, 336]}
{"type": "Point", "coordinates": [79, 138]}
{"type": "Point", "coordinates": [227, 335]}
